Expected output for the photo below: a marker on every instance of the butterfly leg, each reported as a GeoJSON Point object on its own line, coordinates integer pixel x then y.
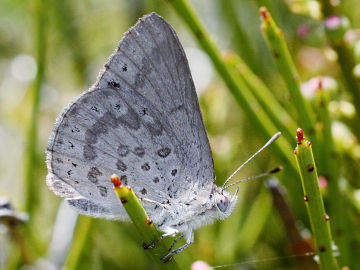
{"type": "Point", "coordinates": [189, 241]}
{"type": "Point", "coordinates": [152, 201]}
{"type": "Point", "coordinates": [168, 232]}
{"type": "Point", "coordinates": [175, 241]}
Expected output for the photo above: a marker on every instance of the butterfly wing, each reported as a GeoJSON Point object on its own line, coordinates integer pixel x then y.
{"type": "Point", "coordinates": [141, 120]}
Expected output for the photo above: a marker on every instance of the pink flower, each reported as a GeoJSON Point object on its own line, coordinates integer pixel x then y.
{"type": "Point", "coordinates": [200, 265]}
{"type": "Point", "coordinates": [332, 22]}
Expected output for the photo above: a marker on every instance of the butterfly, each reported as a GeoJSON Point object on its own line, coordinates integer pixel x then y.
{"type": "Point", "coordinates": [140, 120]}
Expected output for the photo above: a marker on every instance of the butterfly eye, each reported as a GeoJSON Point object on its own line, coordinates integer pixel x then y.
{"type": "Point", "coordinates": [223, 204]}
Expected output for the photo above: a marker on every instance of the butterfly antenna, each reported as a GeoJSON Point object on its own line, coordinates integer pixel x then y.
{"type": "Point", "coordinates": [273, 139]}
{"type": "Point", "coordinates": [275, 170]}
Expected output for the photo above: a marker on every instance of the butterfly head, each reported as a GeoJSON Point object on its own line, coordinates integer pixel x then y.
{"type": "Point", "coordinates": [223, 203]}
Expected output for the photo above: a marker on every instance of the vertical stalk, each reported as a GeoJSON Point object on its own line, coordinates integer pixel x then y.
{"type": "Point", "coordinates": [330, 171]}
{"type": "Point", "coordinates": [250, 230]}
{"type": "Point", "coordinates": [319, 220]}
{"type": "Point", "coordinates": [70, 31]}
{"type": "Point", "coordinates": [347, 65]}
{"type": "Point", "coordinates": [242, 42]}
{"type": "Point", "coordinates": [143, 224]}
{"type": "Point", "coordinates": [287, 69]}
{"type": "Point", "coordinates": [263, 94]}
{"type": "Point", "coordinates": [327, 8]}
{"type": "Point", "coordinates": [335, 29]}
{"type": "Point", "coordinates": [32, 184]}
{"type": "Point", "coordinates": [83, 228]}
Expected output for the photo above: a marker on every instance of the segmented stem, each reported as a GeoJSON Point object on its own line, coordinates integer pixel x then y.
{"type": "Point", "coordinates": [143, 224]}
{"type": "Point", "coordinates": [287, 69]}
{"type": "Point", "coordinates": [330, 171]}
{"type": "Point", "coordinates": [319, 220]}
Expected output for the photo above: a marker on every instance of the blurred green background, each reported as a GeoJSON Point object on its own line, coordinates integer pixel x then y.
{"type": "Point", "coordinates": [51, 51]}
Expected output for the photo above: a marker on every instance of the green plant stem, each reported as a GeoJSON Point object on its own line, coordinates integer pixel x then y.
{"type": "Point", "coordinates": [268, 102]}
{"type": "Point", "coordinates": [64, 11]}
{"type": "Point", "coordinates": [319, 220]}
{"type": "Point", "coordinates": [79, 241]}
{"type": "Point", "coordinates": [241, 41]}
{"type": "Point", "coordinates": [327, 8]}
{"type": "Point", "coordinates": [352, 85]}
{"type": "Point", "coordinates": [247, 228]}
{"type": "Point", "coordinates": [287, 69]}
{"type": "Point", "coordinates": [331, 172]}
{"type": "Point", "coordinates": [32, 181]}
{"type": "Point", "coordinates": [347, 64]}
{"type": "Point", "coordinates": [254, 222]}
{"type": "Point", "coordinates": [144, 226]}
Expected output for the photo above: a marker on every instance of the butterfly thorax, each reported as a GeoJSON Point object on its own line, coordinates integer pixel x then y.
{"type": "Point", "coordinates": [184, 216]}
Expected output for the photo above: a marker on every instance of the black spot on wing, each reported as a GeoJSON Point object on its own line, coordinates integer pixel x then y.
{"type": "Point", "coordinates": [58, 160]}
{"type": "Point", "coordinates": [145, 167]}
{"type": "Point", "coordinates": [90, 137]}
{"type": "Point", "coordinates": [156, 179]}
{"type": "Point", "coordinates": [139, 151]}
{"type": "Point", "coordinates": [94, 108]}
{"type": "Point", "coordinates": [155, 128]}
{"type": "Point", "coordinates": [102, 191]}
{"type": "Point", "coordinates": [120, 165]}
{"type": "Point", "coordinates": [123, 150]}
{"type": "Point", "coordinates": [123, 179]}
{"type": "Point", "coordinates": [117, 107]}
{"type": "Point", "coordinates": [89, 152]}
{"type": "Point", "coordinates": [99, 127]}
{"type": "Point", "coordinates": [114, 84]}
{"type": "Point", "coordinates": [130, 119]}
{"type": "Point", "coordinates": [110, 119]}
{"type": "Point", "coordinates": [164, 152]}
{"type": "Point", "coordinates": [86, 206]}
{"type": "Point", "coordinates": [93, 174]}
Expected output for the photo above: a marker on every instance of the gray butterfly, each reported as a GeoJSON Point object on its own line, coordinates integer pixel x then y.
{"type": "Point", "coordinates": [141, 120]}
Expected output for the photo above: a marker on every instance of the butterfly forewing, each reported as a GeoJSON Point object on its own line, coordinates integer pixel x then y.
{"type": "Point", "coordinates": [141, 120]}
